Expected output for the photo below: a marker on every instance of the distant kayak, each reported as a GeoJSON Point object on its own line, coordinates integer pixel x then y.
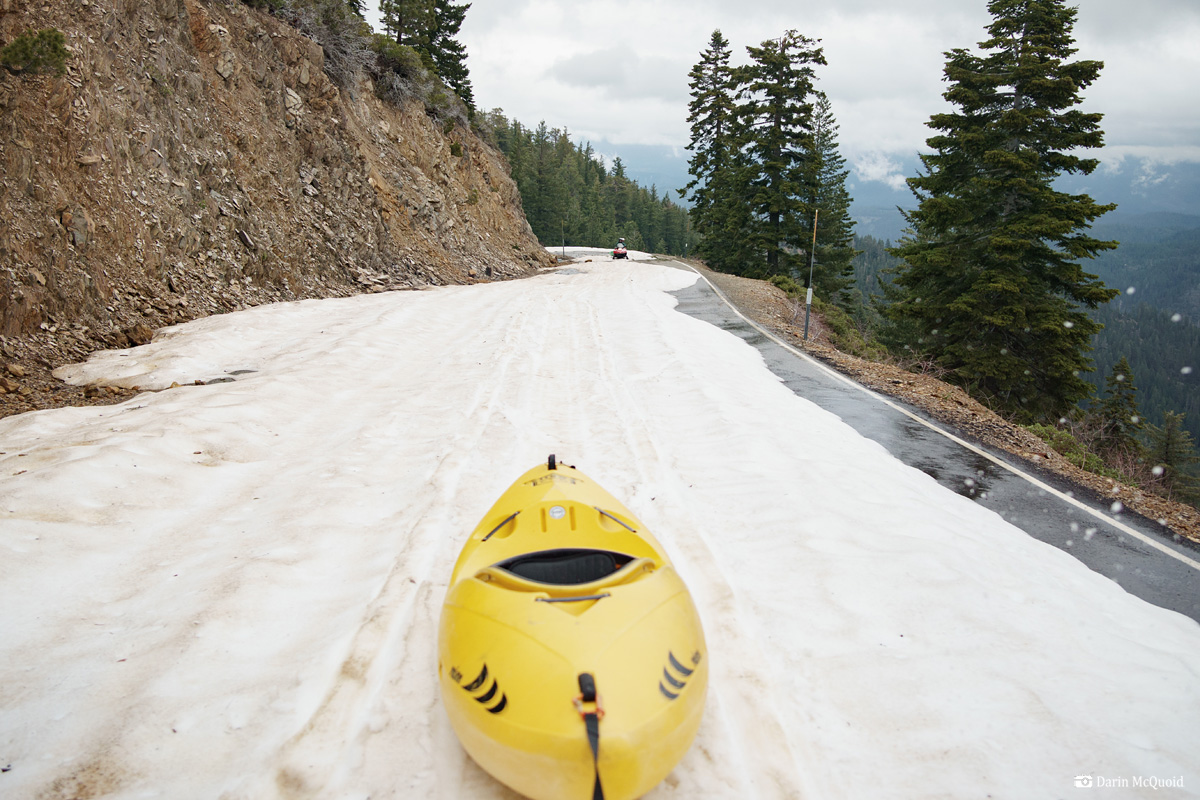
{"type": "Point", "coordinates": [571, 659]}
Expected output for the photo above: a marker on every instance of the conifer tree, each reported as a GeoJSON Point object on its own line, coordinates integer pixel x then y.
{"type": "Point", "coordinates": [409, 22]}
{"type": "Point", "coordinates": [833, 271]}
{"type": "Point", "coordinates": [449, 56]}
{"type": "Point", "coordinates": [31, 53]}
{"type": "Point", "coordinates": [774, 131]}
{"type": "Point", "coordinates": [710, 114]}
{"type": "Point", "coordinates": [1173, 451]}
{"type": "Point", "coordinates": [991, 276]}
{"type": "Point", "coordinates": [1118, 412]}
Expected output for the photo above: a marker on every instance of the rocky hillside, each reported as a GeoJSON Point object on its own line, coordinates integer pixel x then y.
{"type": "Point", "coordinates": [195, 159]}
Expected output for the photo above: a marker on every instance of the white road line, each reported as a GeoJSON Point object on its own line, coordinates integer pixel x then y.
{"type": "Point", "coordinates": [1191, 562]}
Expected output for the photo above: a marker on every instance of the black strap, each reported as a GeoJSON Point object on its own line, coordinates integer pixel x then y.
{"type": "Point", "coordinates": [587, 688]}
{"type": "Point", "coordinates": [593, 733]}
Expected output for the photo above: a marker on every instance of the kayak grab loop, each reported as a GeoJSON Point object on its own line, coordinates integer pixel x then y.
{"type": "Point", "coordinates": [507, 520]}
{"type": "Point", "coordinates": [591, 720]}
{"type": "Point", "coordinates": [571, 599]}
{"type": "Point", "coordinates": [604, 513]}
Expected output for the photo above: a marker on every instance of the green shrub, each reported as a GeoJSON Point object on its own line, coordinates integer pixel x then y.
{"type": "Point", "coordinates": [1073, 450]}
{"type": "Point", "coordinates": [789, 286]}
{"type": "Point", "coordinates": [398, 58]}
{"type": "Point", "coordinates": [160, 82]}
{"type": "Point", "coordinates": [456, 149]}
{"type": "Point", "coordinates": [33, 52]}
{"type": "Point", "coordinates": [843, 331]}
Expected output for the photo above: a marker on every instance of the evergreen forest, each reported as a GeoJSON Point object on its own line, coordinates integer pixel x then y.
{"type": "Point", "coordinates": [571, 195]}
{"type": "Point", "coordinates": [768, 189]}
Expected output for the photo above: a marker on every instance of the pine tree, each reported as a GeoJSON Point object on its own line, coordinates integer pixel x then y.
{"type": "Point", "coordinates": [774, 131]}
{"type": "Point", "coordinates": [1118, 412]}
{"type": "Point", "coordinates": [449, 56]}
{"type": "Point", "coordinates": [710, 114]}
{"type": "Point", "coordinates": [1173, 451]}
{"type": "Point", "coordinates": [833, 271]}
{"type": "Point", "coordinates": [31, 53]}
{"type": "Point", "coordinates": [991, 275]}
{"type": "Point", "coordinates": [409, 22]}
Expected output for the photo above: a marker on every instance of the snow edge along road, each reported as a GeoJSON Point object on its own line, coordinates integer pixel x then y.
{"type": "Point", "coordinates": [1097, 514]}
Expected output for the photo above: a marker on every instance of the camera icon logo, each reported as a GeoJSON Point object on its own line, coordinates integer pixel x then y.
{"type": "Point", "coordinates": [1084, 781]}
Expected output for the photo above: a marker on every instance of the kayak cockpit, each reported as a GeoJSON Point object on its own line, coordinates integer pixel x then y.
{"type": "Point", "coordinates": [566, 572]}
{"type": "Point", "coordinates": [566, 566]}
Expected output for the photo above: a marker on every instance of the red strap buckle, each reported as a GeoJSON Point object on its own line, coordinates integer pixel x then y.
{"type": "Point", "coordinates": [583, 712]}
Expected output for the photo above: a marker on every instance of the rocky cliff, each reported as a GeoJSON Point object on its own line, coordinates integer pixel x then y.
{"type": "Point", "coordinates": [196, 158]}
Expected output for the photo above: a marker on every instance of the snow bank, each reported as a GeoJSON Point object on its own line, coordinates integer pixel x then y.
{"type": "Point", "coordinates": [231, 591]}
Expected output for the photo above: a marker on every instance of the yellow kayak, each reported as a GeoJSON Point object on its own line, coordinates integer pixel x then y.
{"type": "Point", "coordinates": [570, 655]}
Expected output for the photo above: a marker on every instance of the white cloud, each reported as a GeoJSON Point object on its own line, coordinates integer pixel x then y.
{"type": "Point", "coordinates": [1150, 176]}
{"type": "Point", "coordinates": [881, 168]}
{"type": "Point", "coordinates": [1113, 159]}
{"type": "Point", "coordinates": [621, 73]}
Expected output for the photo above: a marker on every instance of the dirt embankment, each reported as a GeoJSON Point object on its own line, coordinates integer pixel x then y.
{"type": "Point", "coordinates": [770, 307]}
{"type": "Point", "coordinates": [196, 159]}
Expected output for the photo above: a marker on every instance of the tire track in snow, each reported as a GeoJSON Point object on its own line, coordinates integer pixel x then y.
{"type": "Point", "coordinates": [320, 756]}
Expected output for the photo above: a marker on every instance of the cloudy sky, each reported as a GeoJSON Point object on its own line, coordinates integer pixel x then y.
{"type": "Point", "coordinates": [616, 70]}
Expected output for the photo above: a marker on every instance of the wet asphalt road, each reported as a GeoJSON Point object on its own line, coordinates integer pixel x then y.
{"type": "Point", "coordinates": [1117, 546]}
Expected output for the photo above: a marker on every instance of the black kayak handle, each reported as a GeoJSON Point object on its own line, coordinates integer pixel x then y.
{"type": "Point", "coordinates": [507, 520]}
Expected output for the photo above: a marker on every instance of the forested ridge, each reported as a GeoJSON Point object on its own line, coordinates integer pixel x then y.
{"type": "Point", "coordinates": [1142, 326]}
{"type": "Point", "coordinates": [1158, 262]}
{"type": "Point", "coordinates": [1162, 350]}
{"type": "Point", "coordinates": [1155, 321]}
{"type": "Point", "coordinates": [572, 195]}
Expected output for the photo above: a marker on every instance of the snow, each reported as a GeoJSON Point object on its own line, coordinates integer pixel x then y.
{"type": "Point", "coordinates": [231, 590]}
{"type": "Point", "coordinates": [592, 254]}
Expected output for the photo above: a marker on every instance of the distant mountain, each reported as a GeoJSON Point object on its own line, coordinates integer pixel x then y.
{"type": "Point", "coordinates": [1147, 195]}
